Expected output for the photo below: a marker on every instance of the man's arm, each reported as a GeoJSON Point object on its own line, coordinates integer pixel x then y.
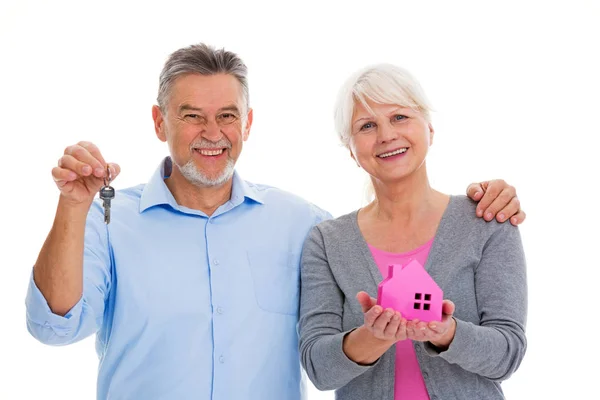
{"type": "Point", "coordinates": [60, 293]}
{"type": "Point", "coordinates": [58, 271]}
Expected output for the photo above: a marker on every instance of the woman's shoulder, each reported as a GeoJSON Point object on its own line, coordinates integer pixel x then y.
{"type": "Point", "coordinates": [338, 225]}
{"type": "Point", "coordinates": [461, 217]}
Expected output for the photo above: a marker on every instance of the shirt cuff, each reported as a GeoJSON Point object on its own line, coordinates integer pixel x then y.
{"type": "Point", "coordinates": [39, 313]}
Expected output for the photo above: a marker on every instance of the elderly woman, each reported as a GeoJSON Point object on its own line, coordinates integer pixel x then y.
{"type": "Point", "coordinates": [347, 341]}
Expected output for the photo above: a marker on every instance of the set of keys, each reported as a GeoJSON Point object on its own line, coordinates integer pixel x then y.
{"type": "Point", "coordinates": [107, 193]}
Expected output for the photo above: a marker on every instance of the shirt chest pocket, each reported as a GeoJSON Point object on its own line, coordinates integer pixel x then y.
{"type": "Point", "coordinates": [276, 279]}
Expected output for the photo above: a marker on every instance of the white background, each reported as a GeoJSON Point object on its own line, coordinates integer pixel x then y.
{"type": "Point", "coordinates": [515, 86]}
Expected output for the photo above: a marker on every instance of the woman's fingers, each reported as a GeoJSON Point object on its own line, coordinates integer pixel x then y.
{"type": "Point", "coordinates": [381, 323]}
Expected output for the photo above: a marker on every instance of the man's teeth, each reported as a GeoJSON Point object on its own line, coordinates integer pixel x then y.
{"type": "Point", "coordinates": [393, 153]}
{"type": "Point", "coordinates": [210, 152]}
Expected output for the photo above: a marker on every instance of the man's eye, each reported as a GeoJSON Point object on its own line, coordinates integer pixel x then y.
{"type": "Point", "coordinates": [193, 118]}
{"type": "Point", "coordinates": [399, 117]}
{"type": "Point", "coordinates": [227, 117]}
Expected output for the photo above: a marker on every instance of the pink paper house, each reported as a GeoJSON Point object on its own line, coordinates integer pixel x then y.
{"type": "Point", "coordinates": [410, 290]}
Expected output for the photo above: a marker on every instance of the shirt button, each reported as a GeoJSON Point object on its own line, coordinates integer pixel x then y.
{"type": "Point", "coordinates": [215, 262]}
{"type": "Point", "coordinates": [425, 375]}
{"type": "Point", "coordinates": [221, 359]}
{"type": "Point", "coordinates": [219, 310]}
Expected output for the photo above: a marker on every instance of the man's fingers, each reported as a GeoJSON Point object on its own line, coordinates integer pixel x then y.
{"type": "Point", "coordinates": [93, 150]}
{"type": "Point", "coordinates": [512, 208]}
{"type": "Point", "coordinates": [475, 191]}
{"type": "Point", "coordinates": [115, 170]}
{"type": "Point", "coordinates": [70, 163]}
{"type": "Point", "coordinates": [487, 198]}
{"type": "Point", "coordinates": [63, 175]}
{"type": "Point", "coordinates": [82, 155]}
{"type": "Point", "coordinates": [519, 218]}
{"type": "Point", "coordinates": [499, 200]}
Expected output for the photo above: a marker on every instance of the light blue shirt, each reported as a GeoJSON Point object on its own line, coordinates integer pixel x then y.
{"type": "Point", "coordinates": [187, 306]}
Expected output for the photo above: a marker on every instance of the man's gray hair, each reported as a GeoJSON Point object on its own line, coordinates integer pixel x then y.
{"type": "Point", "coordinates": [204, 60]}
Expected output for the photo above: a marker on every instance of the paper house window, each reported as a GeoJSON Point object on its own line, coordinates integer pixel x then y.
{"type": "Point", "coordinates": [418, 305]}
{"type": "Point", "coordinates": [412, 291]}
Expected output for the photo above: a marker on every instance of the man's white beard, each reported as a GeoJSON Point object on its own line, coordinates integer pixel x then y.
{"type": "Point", "coordinates": [196, 177]}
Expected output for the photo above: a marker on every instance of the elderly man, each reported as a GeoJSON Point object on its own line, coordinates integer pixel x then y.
{"type": "Point", "coordinates": [192, 288]}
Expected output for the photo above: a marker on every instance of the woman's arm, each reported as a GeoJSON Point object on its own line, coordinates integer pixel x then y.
{"type": "Point", "coordinates": [494, 348]}
{"type": "Point", "coordinates": [380, 331]}
{"type": "Point", "coordinates": [322, 339]}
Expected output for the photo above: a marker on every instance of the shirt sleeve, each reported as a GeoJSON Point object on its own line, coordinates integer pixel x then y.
{"type": "Point", "coordinates": [320, 215]}
{"type": "Point", "coordinates": [85, 317]}
{"type": "Point", "coordinates": [494, 348]}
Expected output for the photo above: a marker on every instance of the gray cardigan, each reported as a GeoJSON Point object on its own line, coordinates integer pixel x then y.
{"type": "Point", "coordinates": [479, 265]}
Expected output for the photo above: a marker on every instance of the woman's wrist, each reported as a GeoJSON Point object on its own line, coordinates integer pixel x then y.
{"type": "Point", "coordinates": [444, 342]}
{"type": "Point", "coordinates": [363, 348]}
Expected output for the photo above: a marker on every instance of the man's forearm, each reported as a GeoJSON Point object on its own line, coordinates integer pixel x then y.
{"type": "Point", "coordinates": [58, 271]}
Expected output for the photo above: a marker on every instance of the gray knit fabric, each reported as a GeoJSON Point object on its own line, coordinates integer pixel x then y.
{"type": "Point", "coordinates": [479, 265]}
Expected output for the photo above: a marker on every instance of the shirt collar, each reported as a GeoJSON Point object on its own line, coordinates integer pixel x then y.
{"type": "Point", "coordinates": [157, 193]}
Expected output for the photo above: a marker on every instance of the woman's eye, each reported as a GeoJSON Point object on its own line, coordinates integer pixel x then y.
{"type": "Point", "coordinates": [368, 125]}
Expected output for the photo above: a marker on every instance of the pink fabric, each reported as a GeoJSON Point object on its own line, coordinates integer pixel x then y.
{"type": "Point", "coordinates": [408, 382]}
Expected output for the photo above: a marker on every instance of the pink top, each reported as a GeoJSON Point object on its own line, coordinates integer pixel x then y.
{"type": "Point", "coordinates": [408, 382]}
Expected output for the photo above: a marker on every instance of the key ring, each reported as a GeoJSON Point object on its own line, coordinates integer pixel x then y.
{"type": "Point", "coordinates": [109, 175]}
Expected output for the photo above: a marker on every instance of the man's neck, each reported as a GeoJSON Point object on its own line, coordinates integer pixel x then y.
{"type": "Point", "coordinates": [206, 199]}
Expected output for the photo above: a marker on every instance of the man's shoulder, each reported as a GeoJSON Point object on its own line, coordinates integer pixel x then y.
{"type": "Point", "coordinates": [279, 199]}
{"type": "Point", "coordinates": [129, 196]}
{"type": "Point", "coordinates": [132, 191]}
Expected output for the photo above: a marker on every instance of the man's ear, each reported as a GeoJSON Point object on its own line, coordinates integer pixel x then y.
{"type": "Point", "coordinates": [159, 121]}
{"type": "Point", "coordinates": [248, 125]}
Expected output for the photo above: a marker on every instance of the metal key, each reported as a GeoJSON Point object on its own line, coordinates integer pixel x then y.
{"type": "Point", "coordinates": [107, 193]}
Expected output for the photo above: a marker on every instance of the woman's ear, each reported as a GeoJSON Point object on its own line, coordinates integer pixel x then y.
{"type": "Point", "coordinates": [431, 134]}
{"type": "Point", "coordinates": [354, 158]}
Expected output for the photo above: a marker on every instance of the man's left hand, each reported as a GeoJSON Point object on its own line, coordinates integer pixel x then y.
{"type": "Point", "coordinates": [496, 199]}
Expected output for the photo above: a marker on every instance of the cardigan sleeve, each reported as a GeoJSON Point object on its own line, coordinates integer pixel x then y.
{"type": "Point", "coordinates": [320, 322]}
{"type": "Point", "coordinates": [494, 348]}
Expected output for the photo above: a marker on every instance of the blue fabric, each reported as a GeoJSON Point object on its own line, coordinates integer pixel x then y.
{"type": "Point", "coordinates": [187, 306]}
